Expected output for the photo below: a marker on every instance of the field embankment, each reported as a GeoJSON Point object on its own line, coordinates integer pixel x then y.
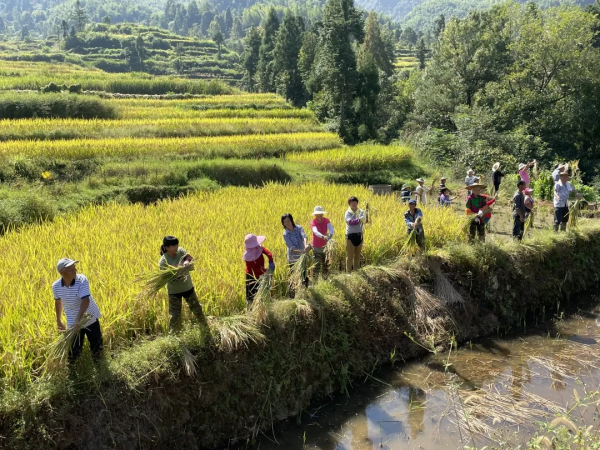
{"type": "Point", "coordinates": [250, 374]}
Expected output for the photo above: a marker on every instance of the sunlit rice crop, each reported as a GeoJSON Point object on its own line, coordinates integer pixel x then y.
{"type": "Point", "coordinates": [250, 146]}
{"type": "Point", "coordinates": [57, 129]}
{"type": "Point", "coordinates": [117, 243]}
{"type": "Point", "coordinates": [361, 157]}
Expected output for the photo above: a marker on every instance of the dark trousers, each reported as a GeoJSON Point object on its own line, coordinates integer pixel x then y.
{"type": "Point", "coordinates": [94, 336]}
{"type": "Point", "coordinates": [496, 188]}
{"type": "Point", "coordinates": [477, 227]}
{"type": "Point", "coordinates": [251, 288]}
{"type": "Point", "coordinates": [561, 217]}
{"type": "Point", "coordinates": [518, 228]}
{"type": "Point", "coordinates": [175, 305]}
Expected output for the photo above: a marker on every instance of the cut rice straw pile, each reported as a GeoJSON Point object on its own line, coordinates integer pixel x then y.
{"type": "Point", "coordinates": [235, 332]}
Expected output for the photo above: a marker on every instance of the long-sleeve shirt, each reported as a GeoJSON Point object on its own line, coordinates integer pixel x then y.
{"type": "Point", "coordinates": [412, 218]}
{"type": "Point", "coordinates": [354, 221]}
{"type": "Point", "coordinates": [294, 241]}
{"type": "Point", "coordinates": [524, 174]}
{"type": "Point", "coordinates": [561, 194]}
{"type": "Point", "coordinates": [422, 192]}
{"type": "Point", "coordinates": [319, 231]}
{"type": "Point", "coordinates": [257, 267]}
{"type": "Point", "coordinates": [497, 177]}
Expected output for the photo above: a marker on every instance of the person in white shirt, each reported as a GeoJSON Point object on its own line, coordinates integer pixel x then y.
{"type": "Point", "coordinates": [421, 191]}
{"type": "Point", "coordinates": [556, 173]}
{"type": "Point", "coordinates": [470, 180]}
{"type": "Point", "coordinates": [562, 191]}
{"type": "Point", "coordinates": [72, 295]}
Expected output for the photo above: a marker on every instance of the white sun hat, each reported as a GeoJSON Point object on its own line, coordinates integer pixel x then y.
{"type": "Point", "coordinates": [318, 210]}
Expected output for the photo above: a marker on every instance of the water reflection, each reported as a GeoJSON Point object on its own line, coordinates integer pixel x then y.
{"type": "Point", "coordinates": [501, 386]}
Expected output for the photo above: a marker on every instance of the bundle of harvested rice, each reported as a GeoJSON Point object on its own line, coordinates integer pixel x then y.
{"type": "Point", "coordinates": [58, 352]}
{"type": "Point", "coordinates": [262, 299]}
{"type": "Point", "coordinates": [574, 212]}
{"type": "Point", "coordinates": [236, 331]}
{"type": "Point", "coordinates": [300, 270]}
{"type": "Point", "coordinates": [155, 281]}
{"type": "Point", "coordinates": [330, 253]}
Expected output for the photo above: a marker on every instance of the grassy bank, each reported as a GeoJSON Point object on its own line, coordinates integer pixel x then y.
{"type": "Point", "coordinates": [249, 374]}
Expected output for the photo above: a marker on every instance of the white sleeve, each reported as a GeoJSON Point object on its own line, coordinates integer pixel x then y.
{"type": "Point", "coordinates": [330, 228]}
{"type": "Point", "coordinates": [316, 233]}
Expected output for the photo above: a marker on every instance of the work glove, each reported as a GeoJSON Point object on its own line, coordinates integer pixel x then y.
{"type": "Point", "coordinates": [272, 266]}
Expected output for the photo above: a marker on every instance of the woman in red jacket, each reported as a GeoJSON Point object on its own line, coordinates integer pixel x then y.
{"type": "Point", "coordinates": [255, 263]}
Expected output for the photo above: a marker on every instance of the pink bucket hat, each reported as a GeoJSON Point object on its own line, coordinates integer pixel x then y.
{"type": "Point", "coordinates": [528, 191]}
{"type": "Point", "coordinates": [252, 247]}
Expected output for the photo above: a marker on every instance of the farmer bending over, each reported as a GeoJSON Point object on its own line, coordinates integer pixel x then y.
{"type": "Point", "coordinates": [72, 294]}
{"type": "Point", "coordinates": [255, 263]}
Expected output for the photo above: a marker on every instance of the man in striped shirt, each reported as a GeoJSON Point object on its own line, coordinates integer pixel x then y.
{"type": "Point", "coordinates": [72, 294]}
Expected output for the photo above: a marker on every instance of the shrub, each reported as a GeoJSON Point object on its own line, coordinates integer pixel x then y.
{"type": "Point", "coordinates": [26, 106]}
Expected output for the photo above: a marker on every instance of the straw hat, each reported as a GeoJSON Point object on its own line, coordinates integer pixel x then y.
{"type": "Point", "coordinates": [443, 178]}
{"type": "Point", "coordinates": [521, 166]}
{"type": "Point", "coordinates": [420, 180]}
{"type": "Point", "coordinates": [477, 185]}
{"type": "Point", "coordinates": [318, 210]}
{"type": "Point", "coordinates": [564, 172]}
{"type": "Point", "coordinates": [252, 247]}
{"type": "Point", "coordinates": [495, 167]}
{"type": "Point", "coordinates": [470, 171]}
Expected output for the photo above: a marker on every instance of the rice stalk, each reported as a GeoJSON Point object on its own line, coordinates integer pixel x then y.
{"type": "Point", "coordinates": [300, 270]}
{"type": "Point", "coordinates": [528, 223]}
{"type": "Point", "coordinates": [444, 289]}
{"type": "Point", "coordinates": [262, 299]}
{"type": "Point", "coordinates": [154, 282]}
{"type": "Point", "coordinates": [432, 318]}
{"type": "Point", "coordinates": [237, 331]}
{"type": "Point", "coordinates": [574, 215]}
{"type": "Point", "coordinates": [58, 352]}
{"type": "Point", "coordinates": [190, 364]}
{"type": "Point", "coordinates": [330, 253]}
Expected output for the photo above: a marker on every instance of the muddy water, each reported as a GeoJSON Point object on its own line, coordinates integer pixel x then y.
{"type": "Point", "coordinates": [493, 392]}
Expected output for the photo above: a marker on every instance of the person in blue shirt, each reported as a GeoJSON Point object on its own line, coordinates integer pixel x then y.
{"type": "Point", "coordinates": [414, 222]}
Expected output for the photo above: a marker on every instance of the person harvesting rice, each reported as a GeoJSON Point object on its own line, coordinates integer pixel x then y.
{"type": "Point", "coordinates": [478, 205]}
{"type": "Point", "coordinates": [254, 254]}
{"type": "Point", "coordinates": [496, 177]}
{"type": "Point", "coordinates": [519, 211]}
{"type": "Point", "coordinates": [414, 222]}
{"type": "Point", "coordinates": [322, 231]}
{"type": "Point", "coordinates": [171, 254]}
{"type": "Point", "coordinates": [296, 242]}
{"type": "Point", "coordinates": [72, 295]}
{"type": "Point", "coordinates": [562, 190]}
{"type": "Point", "coordinates": [355, 220]}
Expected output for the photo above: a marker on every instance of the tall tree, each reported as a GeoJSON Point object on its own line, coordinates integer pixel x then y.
{"type": "Point", "coordinates": [306, 60]}
{"type": "Point", "coordinates": [207, 18]}
{"type": "Point", "coordinates": [79, 16]}
{"type": "Point", "coordinates": [228, 20]}
{"type": "Point", "coordinates": [421, 53]}
{"type": "Point", "coordinates": [266, 82]}
{"type": "Point", "coordinates": [375, 46]}
{"type": "Point", "coordinates": [335, 65]}
{"type": "Point", "coordinates": [288, 81]}
{"type": "Point", "coordinates": [369, 88]}
{"type": "Point", "coordinates": [439, 26]}
{"type": "Point", "coordinates": [214, 31]}
{"type": "Point", "coordinates": [410, 37]}
{"type": "Point", "coordinates": [193, 14]}
{"type": "Point", "coordinates": [251, 57]}
{"type": "Point", "coordinates": [65, 28]}
{"type": "Point", "coordinates": [237, 31]}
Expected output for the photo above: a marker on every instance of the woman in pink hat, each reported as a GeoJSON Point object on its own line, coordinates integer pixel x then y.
{"type": "Point", "coordinates": [255, 263]}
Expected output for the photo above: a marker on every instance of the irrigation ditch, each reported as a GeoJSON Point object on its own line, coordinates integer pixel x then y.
{"type": "Point", "coordinates": [248, 375]}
